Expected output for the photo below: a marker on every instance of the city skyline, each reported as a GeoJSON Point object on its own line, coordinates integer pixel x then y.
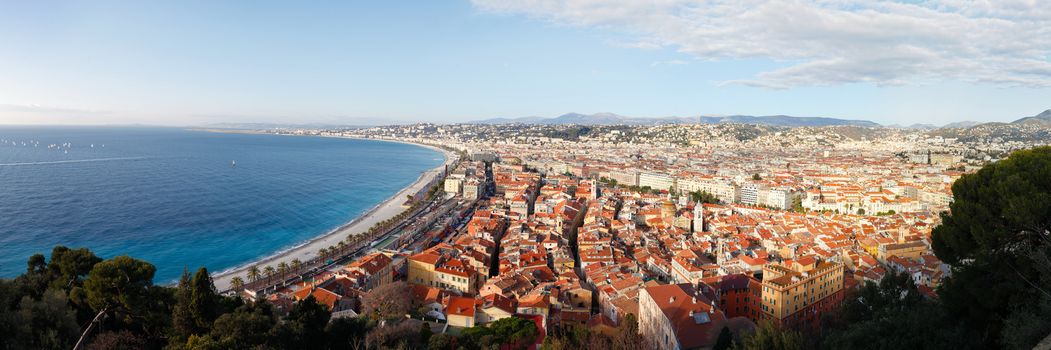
{"type": "Point", "coordinates": [200, 63]}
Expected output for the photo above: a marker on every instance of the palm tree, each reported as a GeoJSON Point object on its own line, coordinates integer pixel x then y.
{"type": "Point", "coordinates": [296, 264]}
{"type": "Point", "coordinates": [322, 252]}
{"type": "Point", "coordinates": [237, 283]}
{"type": "Point", "coordinates": [269, 272]}
{"type": "Point", "coordinates": [253, 273]}
{"type": "Point", "coordinates": [282, 268]}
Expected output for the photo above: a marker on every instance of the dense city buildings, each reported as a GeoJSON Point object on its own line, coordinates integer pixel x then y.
{"type": "Point", "coordinates": [690, 229]}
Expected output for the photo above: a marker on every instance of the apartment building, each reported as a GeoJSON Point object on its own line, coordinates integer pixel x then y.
{"type": "Point", "coordinates": [656, 181]}
{"type": "Point", "coordinates": [678, 316]}
{"type": "Point", "coordinates": [752, 194]}
{"type": "Point", "coordinates": [795, 296]}
{"type": "Point", "coordinates": [441, 267]}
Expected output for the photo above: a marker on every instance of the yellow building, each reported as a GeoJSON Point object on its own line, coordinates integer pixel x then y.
{"type": "Point", "coordinates": [909, 250]}
{"type": "Point", "coordinates": [869, 245]}
{"type": "Point", "coordinates": [437, 267]}
{"type": "Point", "coordinates": [797, 297]}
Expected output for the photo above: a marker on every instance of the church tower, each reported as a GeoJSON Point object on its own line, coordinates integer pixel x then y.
{"type": "Point", "coordinates": [698, 217]}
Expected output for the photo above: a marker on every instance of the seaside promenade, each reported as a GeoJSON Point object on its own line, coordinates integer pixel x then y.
{"type": "Point", "coordinates": [308, 251]}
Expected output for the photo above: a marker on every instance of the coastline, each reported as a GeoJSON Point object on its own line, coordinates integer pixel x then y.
{"type": "Point", "coordinates": [384, 210]}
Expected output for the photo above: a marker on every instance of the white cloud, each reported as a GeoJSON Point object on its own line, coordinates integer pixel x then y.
{"type": "Point", "coordinates": [830, 42]}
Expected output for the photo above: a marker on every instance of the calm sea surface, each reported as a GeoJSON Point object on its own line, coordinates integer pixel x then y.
{"type": "Point", "coordinates": [174, 198]}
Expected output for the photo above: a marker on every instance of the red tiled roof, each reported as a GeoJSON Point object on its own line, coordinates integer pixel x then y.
{"type": "Point", "coordinates": [461, 306]}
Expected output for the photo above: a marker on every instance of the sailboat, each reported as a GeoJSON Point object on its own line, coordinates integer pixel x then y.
{"type": "Point", "coordinates": [233, 163]}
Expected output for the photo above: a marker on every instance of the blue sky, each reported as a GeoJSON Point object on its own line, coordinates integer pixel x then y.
{"type": "Point", "coordinates": [199, 62]}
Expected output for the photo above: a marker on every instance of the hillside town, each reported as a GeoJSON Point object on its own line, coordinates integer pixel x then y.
{"type": "Point", "coordinates": [687, 229]}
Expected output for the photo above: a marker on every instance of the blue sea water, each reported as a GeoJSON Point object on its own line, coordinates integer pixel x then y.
{"type": "Point", "coordinates": [173, 197]}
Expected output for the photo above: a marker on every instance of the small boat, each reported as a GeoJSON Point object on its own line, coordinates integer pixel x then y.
{"type": "Point", "coordinates": [233, 163]}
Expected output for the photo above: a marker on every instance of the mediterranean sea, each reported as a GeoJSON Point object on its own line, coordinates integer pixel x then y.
{"type": "Point", "coordinates": [185, 199]}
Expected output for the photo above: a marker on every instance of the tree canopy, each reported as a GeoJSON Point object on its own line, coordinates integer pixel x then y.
{"type": "Point", "coordinates": [516, 332]}
{"type": "Point", "coordinates": [704, 197]}
{"type": "Point", "coordinates": [893, 306]}
{"type": "Point", "coordinates": [996, 237]}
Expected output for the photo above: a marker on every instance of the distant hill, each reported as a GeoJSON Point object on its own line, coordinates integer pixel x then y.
{"type": "Point", "coordinates": [917, 126]}
{"type": "Point", "coordinates": [963, 124]}
{"type": "Point", "coordinates": [611, 119]}
{"type": "Point", "coordinates": [1043, 119]}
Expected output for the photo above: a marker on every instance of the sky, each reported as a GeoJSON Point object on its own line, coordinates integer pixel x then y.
{"type": "Point", "coordinates": [362, 62]}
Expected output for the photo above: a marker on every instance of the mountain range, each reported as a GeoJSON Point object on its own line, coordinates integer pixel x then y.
{"type": "Point", "coordinates": [612, 119]}
{"type": "Point", "coordinates": [1043, 119]}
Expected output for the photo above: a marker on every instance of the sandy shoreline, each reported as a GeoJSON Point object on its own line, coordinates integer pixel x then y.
{"type": "Point", "coordinates": [308, 250]}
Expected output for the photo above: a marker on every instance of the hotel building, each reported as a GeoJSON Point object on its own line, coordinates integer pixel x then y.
{"type": "Point", "coordinates": [796, 296]}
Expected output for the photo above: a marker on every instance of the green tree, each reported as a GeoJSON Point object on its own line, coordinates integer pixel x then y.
{"type": "Point", "coordinates": [196, 305]}
{"type": "Point", "coordinates": [996, 237]}
{"type": "Point", "coordinates": [269, 272]}
{"type": "Point", "coordinates": [703, 197]}
{"type": "Point", "coordinates": [69, 266]}
{"type": "Point", "coordinates": [515, 332]}
{"type": "Point", "coordinates": [425, 332]}
{"type": "Point", "coordinates": [253, 273]}
{"type": "Point", "coordinates": [346, 333]}
{"type": "Point", "coordinates": [725, 340]}
{"type": "Point", "coordinates": [37, 264]}
{"type": "Point", "coordinates": [304, 327]}
{"type": "Point", "coordinates": [311, 313]}
{"type": "Point", "coordinates": [893, 306]}
{"type": "Point", "coordinates": [204, 299]}
{"type": "Point", "coordinates": [183, 325]}
{"type": "Point", "coordinates": [770, 337]}
{"type": "Point", "coordinates": [440, 342]}
{"type": "Point", "coordinates": [48, 323]}
{"type": "Point", "coordinates": [121, 287]}
{"type": "Point", "coordinates": [247, 327]}
{"type": "Point", "coordinates": [797, 204]}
